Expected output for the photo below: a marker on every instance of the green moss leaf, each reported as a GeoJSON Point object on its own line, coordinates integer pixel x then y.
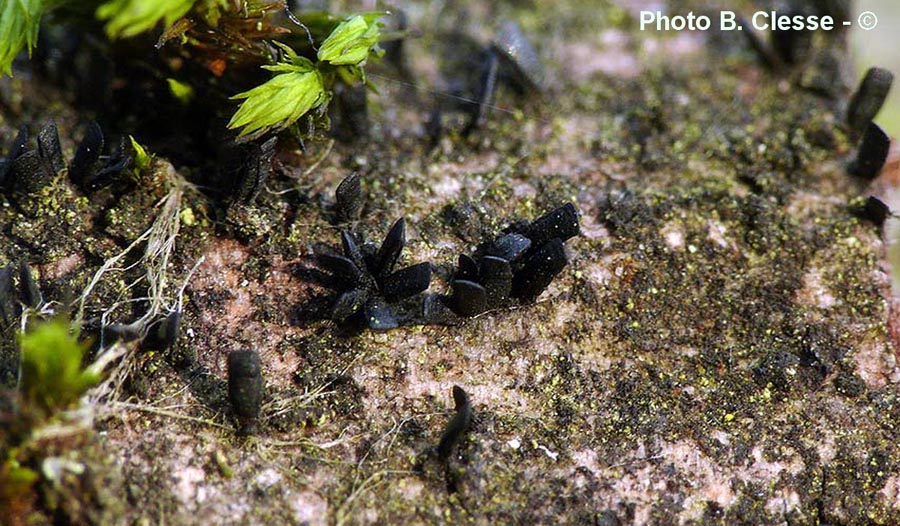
{"type": "Point", "coordinates": [351, 41]}
{"type": "Point", "coordinates": [19, 21]}
{"type": "Point", "coordinates": [281, 101]}
{"type": "Point", "coordinates": [180, 90]}
{"type": "Point", "coordinates": [127, 18]}
{"type": "Point", "coordinates": [52, 375]}
{"type": "Point", "coordinates": [142, 159]}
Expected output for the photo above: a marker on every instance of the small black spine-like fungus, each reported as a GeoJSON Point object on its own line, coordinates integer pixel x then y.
{"type": "Point", "coordinates": [539, 270]}
{"type": "Point", "coordinates": [350, 113]}
{"type": "Point", "coordinates": [486, 89]}
{"type": "Point", "coordinates": [7, 299]}
{"type": "Point", "coordinates": [560, 223]}
{"type": "Point", "coordinates": [869, 98]}
{"type": "Point", "coordinates": [405, 282]}
{"type": "Point", "coordinates": [394, 53]}
{"type": "Point", "coordinates": [468, 298]}
{"type": "Point", "coordinates": [792, 45]}
{"type": "Point", "coordinates": [16, 149]}
{"type": "Point", "coordinates": [31, 293]}
{"type": "Point", "coordinates": [872, 153]}
{"type": "Point", "coordinates": [390, 249]}
{"type": "Point", "coordinates": [458, 425]}
{"type": "Point", "coordinates": [873, 210]}
{"type": "Point", "coordinates": [763, 51]}
{"type": "Point", "coordinates": [255, 164]}
{"type": "Point", "coordinates": [28, 170]}
{"type": "Point", "coordinates": [510, 60]}
{"type": "Point", "coordinates": [245, 388]}
{"type": "Point", "coordinates": [49, 148]}
{"type": "Point", "coordinates": [163, 332]}
{"type": "Point", "coordinates": [90, 169]}
{"type": "Point", "coordinates": [522, 63]}
{"type": "Point", "coordinates": [348, 201]}
{"type": "Point", "coordinates": [87, 154]}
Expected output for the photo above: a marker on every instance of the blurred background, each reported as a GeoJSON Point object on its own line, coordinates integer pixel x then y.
{"type": "Point", "coordinates": [881, 47]}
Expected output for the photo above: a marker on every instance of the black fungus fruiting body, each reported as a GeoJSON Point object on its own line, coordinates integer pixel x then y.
{"type": "Point", "coordinates": [30, 169]}
{"type": "Point", "coordinates": [163, 332]}
{"type": "Point", "coordinates": [27, 170]}
{"type": "Point", "coordinates": [366, 282]}
{"type": "Point", "coordinates": [90, 169]}
{"type": "Point", "coordinates": [873, 210]}
{"type": "Point", "coordinates": [869, 98]}
{"type": "Point", "coordinates": [522, 65]}
{"type": "Point", "coordinates": [792, 45]}
{"type": "Point", "coordinates": [756, 43]}
{"type": "Point", "coordinates": [486, 89]}
{"type": "Point", "coordinates": [472, 73]}
{"type": "Point", "coordinates": [16, 149]}
{"type": "Point", "coordinates": [395, 48]}
{"type": "Point", "coordinates": [31, 293]}
{"type": "Point", "coordinates": [254, 163]}
{"type": "Point", "coordinates": [12, 300]}
{"type": "Point", "coordinates": [348, 201]}
{"type": "Point", "coordinates": [458, 425]}
{"type": "Point", "coordinates": [350, 113]}
{"type": "Point", "coordinates": [245, 388]}
{"type": "Point", "coordinates": [871, 154]}
{"type": "Point", "coordinates": [7, 297]}
{"type": "Point", "coordinates": [518, 265]}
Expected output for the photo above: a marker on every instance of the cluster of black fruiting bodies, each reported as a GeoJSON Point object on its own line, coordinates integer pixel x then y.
{"type": "Point", "coordinates": [515, 267]}
{"type": "Point", "coordinates": [792, 49]}
{"type": "Point", "coordinates": [28, 168]}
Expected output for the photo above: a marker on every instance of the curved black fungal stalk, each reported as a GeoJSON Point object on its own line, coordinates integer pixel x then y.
{"type": "Point", "coordinates": [246, 389]}
{"type": "Point", "coordinates": [12, 301]}
{"type": "Point", "coordinates": [509, 60]}
{"type": "Point", "coordinates": [31, 293]}
{"type": "Point", "coordinates": [521, 66]}
{"type": "Point", "coordinates": [791, 50]}
{"type": "Point", "coordinates": [517, 266]}
{"type": "Point", "coordinates": [91, 168]}
{"type": "Point", "coordinates": [457, 426]}
{"type": "Point", "coordinates": [247, 168]}
{"type": "Point", "coordinates": [792, 45]}
{"type": "Point", "coordinates": [157, 335]}
{"type": "Point", "coordinates": [350, 113]}
{"type": "Point", "coordinates": [28, 169]}
{"type": "Point", "coordinates": [868, 99]}
{"type": "Point", "coordinates": [163, 332]}
{"type": "Point", "coordinates": [7, 297]}
{"type": "Point", "coordinates": [873, 210]}
{"type": "Point", "coordinates": [871, 154]}
{"type": "Point", "coordinates": [348, 200]}
{"type": "Point", "coordinates": [763, 51]}
{"type": "Point", "coordinates": [370, 291]}
{"type": "Point", "coordinates": [16, 149]}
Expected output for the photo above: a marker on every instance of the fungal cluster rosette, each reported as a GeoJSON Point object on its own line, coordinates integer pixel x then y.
{"type": "Point", "coordinates": [28, 168]}
{"type": "Point", "coordinates": [517, 266]}
{"type": "Point", "coordinates": [368, 287]}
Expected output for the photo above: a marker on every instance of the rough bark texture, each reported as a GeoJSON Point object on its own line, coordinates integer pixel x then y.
{"type": "Point", "coordinates": [716, 352]}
